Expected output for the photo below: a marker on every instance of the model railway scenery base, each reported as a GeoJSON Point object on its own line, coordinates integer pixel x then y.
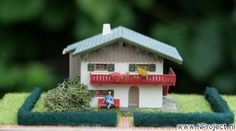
{"type": "Point", "coordinates": [212, 109]}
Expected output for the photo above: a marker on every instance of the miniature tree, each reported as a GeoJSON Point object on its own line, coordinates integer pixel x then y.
{"type": "Point", "coordinates": [70, 95]}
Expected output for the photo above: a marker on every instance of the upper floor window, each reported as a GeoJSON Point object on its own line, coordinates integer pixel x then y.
{"type": "Point", "coordinates": [101, 67]}
{"type": "Point", "coordinates": [144, 66]}
{"type": "Point", "coordinates": [148, 67]}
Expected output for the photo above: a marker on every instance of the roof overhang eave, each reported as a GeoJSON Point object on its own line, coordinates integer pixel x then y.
{"type": "Point", "coordinates": [65, 51]}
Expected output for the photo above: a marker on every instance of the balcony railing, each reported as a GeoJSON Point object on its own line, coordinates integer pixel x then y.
{"type": "Point", "coordinates": [108, 79]}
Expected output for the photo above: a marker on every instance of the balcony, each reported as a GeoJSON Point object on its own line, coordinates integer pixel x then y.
{"type": "Point", "coordinates": [109, 79]}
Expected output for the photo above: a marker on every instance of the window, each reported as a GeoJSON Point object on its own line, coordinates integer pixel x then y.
{"type": "Point", "coordinates": [124, 45]}
{"type": "Point", "coordinates": [101, 67]}
{"type": "Point", "coordinates": [148, 67]}
{"type": "Point", "coordinates": [144, 66]}
{"type": "Point", "coordinates": [102, 93]}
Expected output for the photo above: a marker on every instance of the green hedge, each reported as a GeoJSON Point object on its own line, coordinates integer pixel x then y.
{"type": "Point", "coordinates": [69, 118]}
{"type": "Point", "coordinates": [172, 119]}
{"type": "Point", "coordinates": [218, 104]}
{"type": "Point", "coordinates": [30, 101]}
{"type": "Point", "coordinates": [221, 115]}
{"type": "Point", "coordinates": [26, 117]}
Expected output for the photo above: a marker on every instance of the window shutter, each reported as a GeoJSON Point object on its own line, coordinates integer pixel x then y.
{"type": "Point", "coordinates": [132, 67]}
{"type": "Point", "coordinates": [111, 67]}
{"type": "Point", "coordinates": [90, 67]}
{"type": "Point", "coordinates": [152, 67]}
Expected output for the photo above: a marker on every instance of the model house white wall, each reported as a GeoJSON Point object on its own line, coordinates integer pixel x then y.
{"type": "Point", "coordinates": [121, 57]}
{"type": "Point", "coordinates": [147, 93]}
{"type": "Point", "coordinates": [113, 54]}
{"type": "Point", "coordinates": [150, 97]}
{"type": "Point", "coordinates": [120, 92]}
{"type": "Point", "coordinates": [119, 67]}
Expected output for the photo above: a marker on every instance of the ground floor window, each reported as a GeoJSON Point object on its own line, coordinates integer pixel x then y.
{"type": "Point", "coordinates": [102, 93]}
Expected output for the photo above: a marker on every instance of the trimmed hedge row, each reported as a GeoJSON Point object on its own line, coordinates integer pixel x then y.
{"type": "Point", "coordinates": [218, 104]}
{"type": "Point", "coordinates": [69, 118]}
{"type": "Point", "coordinates": [172, 119]}
{"type": "Point", "coordinates": [222, 114]}
{"type": "Point", "coordinates": [30, 101]}
{"type": "Point", "coordinates": [26, 117]}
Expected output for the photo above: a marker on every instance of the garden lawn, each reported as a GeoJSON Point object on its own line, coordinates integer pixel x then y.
{"type": "Point", "coordinates": [11, 102]}
{"type": "Point", "coordinates": [9, 106]}
{"type": "Point", "coordinates": [231, 100]}
{"type": "Point", "coordinates": [186, 103]}
{"type": "Point", "coordinates": [192, 103]}
{"type": "Point", "coordinates": [39, 106]}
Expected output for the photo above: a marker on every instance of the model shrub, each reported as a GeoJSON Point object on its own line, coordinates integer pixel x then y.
{"type": "Point", "coordinates": [70, 95]}
{"type": "Point", "coordinates": [218, 104]}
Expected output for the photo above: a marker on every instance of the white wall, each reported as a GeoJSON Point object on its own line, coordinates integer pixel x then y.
{"type": "Point", "coordinates": [121, 91]}
{"type": "Point", "coordinates": [121, 57]}
{"type": "Point", "coordinates": [150, 97]}
{"type": "Point", "coordinates": [115, 53]}
{"type": "Point", "coordinates": [119, 67]}
{"type": "Point", "coordinates": [74, 66]}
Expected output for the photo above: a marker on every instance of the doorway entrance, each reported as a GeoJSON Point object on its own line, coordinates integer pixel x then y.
{"type": "Point", "coordinates": [133, 96]}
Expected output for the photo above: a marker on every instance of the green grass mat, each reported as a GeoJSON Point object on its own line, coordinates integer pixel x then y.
{"type": "Point", "coordinates": [9, 106]}
{"type": "Point", "coordinates": [192, 103]}
{"type": "Point", "coordinates": [11, 102]}
{"type": "Point", "coordinates": [186, 103]}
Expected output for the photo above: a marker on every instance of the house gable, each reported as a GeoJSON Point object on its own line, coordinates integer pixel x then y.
{"type": "Point", "coordinates": [121, 52]}
{"type": "Point", "coordinates": [124, 34]}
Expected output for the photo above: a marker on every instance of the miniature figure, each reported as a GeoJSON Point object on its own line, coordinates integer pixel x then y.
{"type": "Point", "coordinates": [109, 99]}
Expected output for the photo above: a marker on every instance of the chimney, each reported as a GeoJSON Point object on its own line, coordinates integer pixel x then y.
{"type": "Point", "coordinates": [106, 29]}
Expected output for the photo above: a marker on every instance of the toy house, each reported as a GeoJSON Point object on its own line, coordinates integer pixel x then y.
{"type": "Point", "coordinates": [125, 62]}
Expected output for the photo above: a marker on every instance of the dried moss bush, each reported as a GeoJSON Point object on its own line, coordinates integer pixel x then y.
{"type": "Point", "coordinates": [70, 95]}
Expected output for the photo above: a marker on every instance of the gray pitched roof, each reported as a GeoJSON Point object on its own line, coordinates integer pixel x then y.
{"type": "Point", "coordinates": [122, 33]}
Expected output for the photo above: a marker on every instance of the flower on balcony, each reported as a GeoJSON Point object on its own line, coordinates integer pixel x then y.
{"type": "Point", "coordinates": [116, 76]}
{"type": "Point", "coordinates": [142, 72]}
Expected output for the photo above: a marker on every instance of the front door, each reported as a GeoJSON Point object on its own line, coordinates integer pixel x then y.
{"type": "Point", "coordinates": [133, 96]}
